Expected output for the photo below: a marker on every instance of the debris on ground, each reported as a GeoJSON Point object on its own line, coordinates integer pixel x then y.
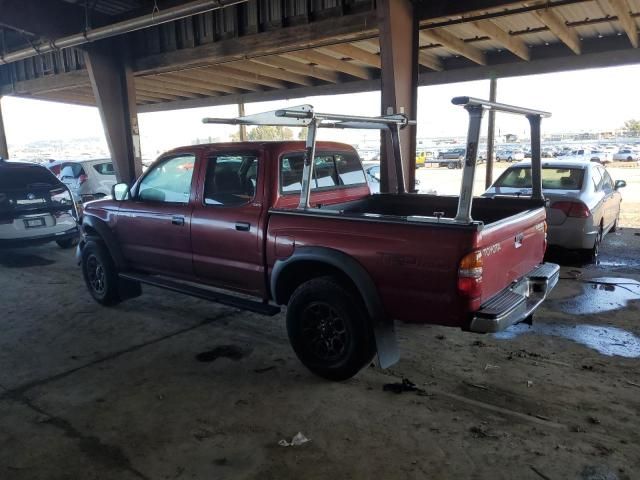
{"type": "Point", "coordinates": [488, 366]}
{"type": "Point", "coordinates": [476, 385]}
{"type": "Point", "coordinates": [478, 343]}
{"type": "Point", "coordinates": [405, 386]}
{"type": "Point", "coordinates": [481, 431]}
{"type": "Point", "coordinates": [594, 420]}
{"type": "Point", "coordinates": [529, 383]}
{"type": "Point", "coordinates": [296, 441]}
{"type": "Point", "coordinates": [440, 337]}
{"type": "Point", "coordinates": [264, 369]}
{"type": "Point", "coordinates": [539, 473]}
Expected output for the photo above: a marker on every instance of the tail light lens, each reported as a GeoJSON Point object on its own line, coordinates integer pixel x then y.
{"type": "Point", "coordinates": [572, 209]}
{"type": "Point", "coordinates": [82, 178]}
{"type": "Point", "coordinates": [470, 275]}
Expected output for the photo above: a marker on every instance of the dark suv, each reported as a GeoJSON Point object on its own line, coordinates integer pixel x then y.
{"type": "Point", "coordinates": [35, 207]}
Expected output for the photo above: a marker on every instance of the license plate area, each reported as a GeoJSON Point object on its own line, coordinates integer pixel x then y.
{"type": "Point", "coordinates": [34, 222]}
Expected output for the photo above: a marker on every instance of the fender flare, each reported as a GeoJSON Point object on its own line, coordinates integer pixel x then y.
{"type": "Point", "coordinates": [107, 237]}
{"type": "Point", "coordinates": [339, 260]}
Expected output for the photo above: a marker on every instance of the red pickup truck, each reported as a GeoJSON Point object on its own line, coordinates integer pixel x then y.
{"type": "Point", "coordinates": [223, 222]}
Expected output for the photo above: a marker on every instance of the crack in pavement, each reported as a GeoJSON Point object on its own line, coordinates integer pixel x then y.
{"type": "Point", "coordinates": [110, 456]}
{"type": "Point", "coordinates": [20, 390]}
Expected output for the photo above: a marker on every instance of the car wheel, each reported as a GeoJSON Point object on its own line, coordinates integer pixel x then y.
{"type": "Point", "coordinates": [629, 159]}
{"type": "Point", "coordinates": [451, 166]}
{"type": "Point", "coordinates": [593, 253]}
{"type": "Point", "coordinates": [100, 274]}
{"type": "Point", "coordinates": [616, 226]}
{"type": "Point", "coordinates": [329, 329]}
{"type": "Point", "coordinates": [510, 159]}
{"type": "Point", "coordinates": [68, 242]}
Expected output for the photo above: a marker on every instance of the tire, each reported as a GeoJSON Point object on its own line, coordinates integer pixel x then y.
{"type": "Point", "coordinates": [68, 242]}
{"type": "Point", "coordinates": [100, 274]}
{"type": "Point", "coordinates": [592, 254]}
{"type": "Point", "coordinates": [629, 159]}
{"type": "Point", "coordinates": [509, 159]}
{"type": "Point", "coordinates": [615, 227]}
{"type": "Point", "coordinates": [329, 329]}
{"type": "Point", "coordinates": [451, 166]}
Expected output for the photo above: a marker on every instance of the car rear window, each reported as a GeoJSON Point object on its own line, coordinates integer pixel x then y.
{"type": "Point", "coordinates": [104, 168]}
{"type": "Point", "coordinates": [14, 177]}
{"type": "Point", "coordinates": [71, 170]}
{"type": "Point", "coordinates": [552, 178]}
{"type": "Point", "coordinates": [331, 170]}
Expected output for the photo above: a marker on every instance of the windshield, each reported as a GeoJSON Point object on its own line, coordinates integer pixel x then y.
{"type": "Point", "coordinates": [552, 178]}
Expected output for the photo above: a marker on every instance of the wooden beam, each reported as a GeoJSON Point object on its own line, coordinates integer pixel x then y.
{"type": "Point", "coordinates": [346, 28]}
{"type": "Point", "coordinates": [621, 10]}
{"type": "Point", "coordinates": [151, 92]}
{"type": "Point", "coordinates": [272, 72]}
{"type": "Point", "coordinates": [153, 85]}
{"type": "Point", "coordinates": [187, 83]}
{"type": "Point", "coordinates": [429, 60]}
{"type": "Point", "coordinates": [453, 43]}
{"type": "Point", "coordinates": [332, 63]}
{"type": "Point", "coordinates": [355, 53]}
{"type": "Point", "coordinates": [513, 44]}
{"type": "Point", "coordinates": [205, 88]}
{"type": "Point", "coordinates": [50, 83]}
{"type": "Point", "coordinates": [559, 28]}
{"type": "Point", "coordinates": [212, 76]}
{"type": "Point", "coordinates": [299, 67]}
{"type": "Point", "coordinates": [250, 77]}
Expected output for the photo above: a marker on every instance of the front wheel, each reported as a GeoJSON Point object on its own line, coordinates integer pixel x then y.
{"type": "Point", "coordinates": [100, 274]}
{"type": "Point", "coordinates": [329, 329]}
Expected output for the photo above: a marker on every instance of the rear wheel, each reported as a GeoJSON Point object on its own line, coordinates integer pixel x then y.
{"type": "Point", "coordinates": [100, 274]}
{"type": "Point", "coordinates": [451, 165]}
{"type": "Point", "coordinates": [593, 253]}
{"type": "Point", "coordinates": [616, 226]}
{"type": "Point", "coordinates": [68, 242]}
{"type": "Point", "coordinates": [329, 329]}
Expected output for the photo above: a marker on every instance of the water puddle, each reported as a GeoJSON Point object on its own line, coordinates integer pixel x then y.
{"type": "Point", "coordinates": [610, 341]}
{"type": "Point", "coordinates": [599, 295]}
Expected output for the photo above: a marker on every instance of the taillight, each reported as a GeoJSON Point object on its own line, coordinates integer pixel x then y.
{"type": "Point", "coordinates": [470, 275]}
{"type": "Point", "coordinates": [82, 178]}
{"type": "Point", "coordinates": [572, 209]}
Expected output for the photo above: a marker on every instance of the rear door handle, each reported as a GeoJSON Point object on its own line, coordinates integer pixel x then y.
{"type": "Point", "coordinates": [243, 226]}
{"type": "Point", "coordinates": [177, 220]}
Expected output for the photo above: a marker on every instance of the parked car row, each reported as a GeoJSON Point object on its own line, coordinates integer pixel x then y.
{"type": "Point", "coordinates": [87, 179]}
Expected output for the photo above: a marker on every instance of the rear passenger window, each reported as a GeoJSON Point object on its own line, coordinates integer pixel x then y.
{"type": "Point", "coordinates": [231, 180]}
{"type": "Point", "coordinates": [330, 171]}
{"type": "Point", "coordinates": [71, 170]}
{"type": "Point", "coordinates": [104, 168]}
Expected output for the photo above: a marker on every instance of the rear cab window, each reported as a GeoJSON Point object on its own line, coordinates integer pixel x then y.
{"type": "Point", "coordinates": [330, 171]}
{"type": "Point", "coordinates": [105, 168]}
{"type": "Point", "coordinates": [553, 178]}
{"type": "Point", "coordinates": [71, 170]}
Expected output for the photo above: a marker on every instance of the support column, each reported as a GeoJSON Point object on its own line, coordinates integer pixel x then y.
{"type": "Point", "coordinates": [114, 89]}
{"type": "Point", "coordinates": [399, 77]}
{"type": "Point", "coordinates": [493, 85]}
{"type": "Point", "coordinates": [4, 150]}
{"type": "Point", "coordinates": [243, 128]}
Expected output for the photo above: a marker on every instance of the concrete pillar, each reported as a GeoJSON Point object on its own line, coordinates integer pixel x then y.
{"type": "Point", "coordinates": [243, 128]}
{"type": "Point", "coordinates": [4, 150]}
{"type": "Point", "coordinates": [399, 77]}
{"type": "Point", "coordinates": [114, 89]}
{"type": "Point", "coordinates": [491, 132]}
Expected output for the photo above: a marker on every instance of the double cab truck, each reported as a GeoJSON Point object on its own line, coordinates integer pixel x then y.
{"type": "Point", "coordinates": [261, 225]}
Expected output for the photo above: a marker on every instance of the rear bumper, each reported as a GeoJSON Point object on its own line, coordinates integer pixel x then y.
{"type": "Point", "coordinates": [574, 233]}
{"type": "Point", "coordinates": [516, 302]}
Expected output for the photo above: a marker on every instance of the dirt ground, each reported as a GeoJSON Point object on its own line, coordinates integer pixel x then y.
{"type": "Point", "coordinates": [447, 182]}
{"type": "Point", "coordinates": [170, 387]}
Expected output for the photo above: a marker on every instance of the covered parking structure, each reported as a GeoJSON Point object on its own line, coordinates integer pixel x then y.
{"type": "Point", "coordinates": [145, 56]}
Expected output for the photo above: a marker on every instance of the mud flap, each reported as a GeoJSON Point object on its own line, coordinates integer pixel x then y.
{"type": "Point", "coordinates": [386, 343]}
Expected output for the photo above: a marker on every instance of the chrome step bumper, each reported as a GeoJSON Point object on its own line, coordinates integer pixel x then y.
{"type": "Point", "coordinates": [516, 302]}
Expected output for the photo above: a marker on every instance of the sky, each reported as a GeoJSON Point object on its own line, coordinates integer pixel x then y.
{"type": "Point", "coordinates": [585, 100]}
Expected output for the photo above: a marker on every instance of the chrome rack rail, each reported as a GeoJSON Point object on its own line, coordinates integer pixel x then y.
{"type": "Point", "coordinates": [305, 116]}
{"type": "Point", "coordinates": [476, 108]}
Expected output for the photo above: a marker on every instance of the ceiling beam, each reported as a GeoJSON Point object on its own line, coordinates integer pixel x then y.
{"type": "Point", "coordinates": [430, 60]}
{"type": "Point", "coordinates": [453, 43]}
{"type": "Point", "coordinates": [299, 67]}
{"type": "Point", "coordinates": [560, 29]}
{"type": "Point", "coordinates": [623, 12]}
{"type": "Point", "coordinates": [332, 63]}
{"type": "Point", "coordinates": [220, 81]}
{"type": "Point", "coordinates": [154, 85]}
{"type": "Point", "coordinates": [355, 53]}
{"type": "Point", "coordinates": [250, 77]}
{"type": "Point", "coordinates": [151, 91]}
{"type": "Point", "coordinates": [185, 83]}
{"type": "Point", "coordinates": [511, 43]}
{"type": "Point", "coordinates": [314, 34]}
{"type": "Point", "coordinates": [272, 72]}
{"type": "Point", "coordinates": [50, 83]}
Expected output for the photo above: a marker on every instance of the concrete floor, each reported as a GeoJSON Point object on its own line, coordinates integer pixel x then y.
{"type": "Point", "coordinates": [88, 392]}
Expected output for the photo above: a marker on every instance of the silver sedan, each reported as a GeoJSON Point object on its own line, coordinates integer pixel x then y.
{"type": "Point", "coordinates": [584, 201]}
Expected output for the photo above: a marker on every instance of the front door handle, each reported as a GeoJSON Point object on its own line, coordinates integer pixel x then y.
{"type": "Point", "coordinates": [177, 220]}
{"type": "Point", "coordinates": [243, 226]}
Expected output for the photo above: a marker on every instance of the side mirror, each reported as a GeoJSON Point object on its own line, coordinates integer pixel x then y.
{"type": "Point", "coordinates": [620, 184]}
{"type": "Point", "coordinates": [120, 192]}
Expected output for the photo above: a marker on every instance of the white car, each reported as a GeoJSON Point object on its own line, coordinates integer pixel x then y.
{"type": "Point", "coordinates": [590, 155]}
{"type": "Point", "coordinates": [584, 201]}
{"type": "Point", "coordinates": [510, 155]}
{"type": "Point", "coordinates": [626, 155]}
{"type": "Point", "coordinates": [88, 179]}
{"type": "Point", "coordinates": [35, 207]}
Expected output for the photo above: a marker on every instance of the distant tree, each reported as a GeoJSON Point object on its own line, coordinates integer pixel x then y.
{"type": "Point", "coordinates": [265, 132]}
{"type": "Point", "coordinates": [632, 126]}
{"type": "Point", "coordinates": [302, 134]}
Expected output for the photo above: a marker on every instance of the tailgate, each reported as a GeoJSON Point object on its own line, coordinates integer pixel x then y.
{"type": "Point", "coordinates": [510, 249]}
